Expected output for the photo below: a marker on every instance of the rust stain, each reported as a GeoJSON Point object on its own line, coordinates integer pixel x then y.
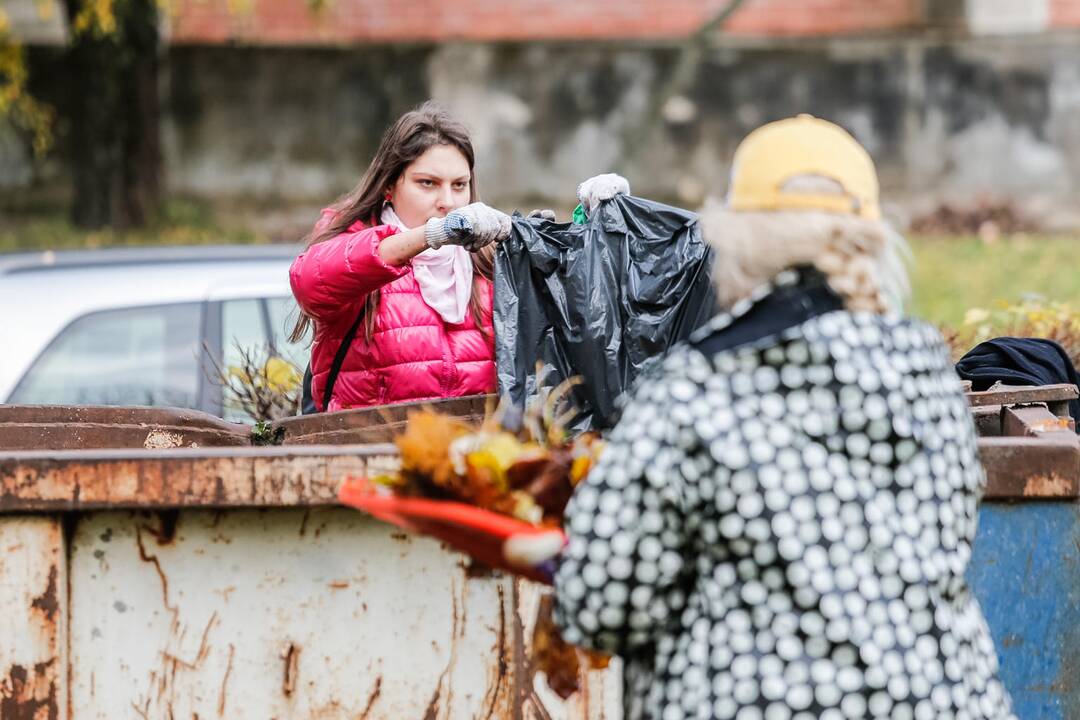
{"type": "Point", "coordinates": [204, 649]}
{"type": "Point", "coordinates": [1051, 485]}
{"type": "Point", "coordinates": [67, 530]}
{"type": "Point", "coordinates": [1056, 424]}
{"type": "Point", "coordinates": [373, 697]}
{"type": "Point", "coordinates": [165, 533]}
{"type": "Point", "coordinates": [220, 492]}
{"type": "Point", "coordinates": [339, 584]}
{"type": "Point", "coordinates": [225, 682]}
{"type": "Point", "coordinates": [239, 476]}
{"type": "Point", "coordinates": [29, 694]}
{"type": "Point", "coordinates": [432, 710]}
{"type": "Point", "coordinates": [47, 602]}
{"type": "Point", "coordinates": [291, 655]}
{"type": "Point", "coordinates": [162, 682]}
{"type": "Point", "coordinates": [502, 664]}
{"type": "Point", "coordinates": [1012, 640]}
{"type": "Point", "coordinates": [304, 522]}
{"type": "Point", "coordinates": [225, 593]}
{"type": "Point", "coordinates": [1066, 680]}
{"type": "Point", "coordinates": [457, 631]}
{"type": "Point", "coordinates": [153, 559]}
{"type": "Point", "coordinates": [523, 680]}
{"type": "Point", "coordinates": [169, 681]}
{"type": "Point", "coordinates": [1020, 396]}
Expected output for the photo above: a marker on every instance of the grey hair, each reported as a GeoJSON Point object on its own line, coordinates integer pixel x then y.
{"type": "Point", "coordinates": [864, 261]}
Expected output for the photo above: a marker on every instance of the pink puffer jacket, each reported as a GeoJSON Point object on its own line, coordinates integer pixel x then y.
{"type": "Point", "coordinates": [413, 355]}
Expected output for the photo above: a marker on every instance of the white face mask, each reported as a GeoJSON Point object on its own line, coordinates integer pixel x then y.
{"type": "Point", "coordinates": [445, 275]}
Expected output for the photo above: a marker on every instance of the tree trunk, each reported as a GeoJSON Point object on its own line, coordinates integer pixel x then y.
{"type": "Point", "coordinates": [115, 115]}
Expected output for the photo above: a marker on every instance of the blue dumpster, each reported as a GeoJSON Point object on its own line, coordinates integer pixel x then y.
{"type": "Point", "coordinates": [1025, 567]}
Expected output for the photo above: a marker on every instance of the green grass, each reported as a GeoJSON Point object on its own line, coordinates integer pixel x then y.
{"type": "Point", "coordinates": [179, 223]}
{"type": "Point", "coordinates": [953, 274]}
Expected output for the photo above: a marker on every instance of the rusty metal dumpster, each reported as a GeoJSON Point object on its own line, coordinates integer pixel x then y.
{"type": "Point", "coordinates": [221, 582]}
{"type": "Point", "coordinates": [215, 580]}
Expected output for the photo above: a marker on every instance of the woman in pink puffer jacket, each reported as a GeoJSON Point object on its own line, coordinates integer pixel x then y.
{"type": "Point", "coordinates": [407, 255]}
{"type": "Point", "coordinates": [404, 265]}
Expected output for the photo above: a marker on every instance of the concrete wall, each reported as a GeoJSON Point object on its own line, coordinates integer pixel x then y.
{"type": "Point", "coordinates": [955, 99]}
{"type": "Point", "coordinates": [943, 119]}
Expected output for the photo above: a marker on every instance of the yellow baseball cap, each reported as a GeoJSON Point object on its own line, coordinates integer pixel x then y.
{"type": "Point", "coordinates": [769, 157]}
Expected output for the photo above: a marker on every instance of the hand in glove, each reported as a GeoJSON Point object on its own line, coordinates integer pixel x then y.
{"type": "Point", "coordinates": [601, 187]}
{"type": "Point", "coordinates": [543, 214]}
{"type": "Point", "coordinates": [472, 227]}
{"type": "Point", "coordinates": [536, 551]}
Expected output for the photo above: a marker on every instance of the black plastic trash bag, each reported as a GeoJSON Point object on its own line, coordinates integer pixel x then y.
{"type": "Point", "coordinates": [597, 300]}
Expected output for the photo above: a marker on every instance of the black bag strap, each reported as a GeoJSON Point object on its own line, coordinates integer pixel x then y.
{"type": "Point", "coordinates": [307, 403]}
{"type": "Point", "coordinates": [339, 359]}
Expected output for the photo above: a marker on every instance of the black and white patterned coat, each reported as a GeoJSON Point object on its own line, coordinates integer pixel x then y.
{"type": "Point", "coordinates": [779, 529]}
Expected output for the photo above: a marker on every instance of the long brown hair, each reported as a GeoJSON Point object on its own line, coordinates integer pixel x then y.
{"type": "Point", "coordinates": [407, 139]}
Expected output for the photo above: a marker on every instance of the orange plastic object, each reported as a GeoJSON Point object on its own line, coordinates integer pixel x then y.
{"type": "Point", "coordinates": [476, 532]}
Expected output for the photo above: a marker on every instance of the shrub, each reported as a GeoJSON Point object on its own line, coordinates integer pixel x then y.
{"type": "Point", "coordinates": [1033, 316]}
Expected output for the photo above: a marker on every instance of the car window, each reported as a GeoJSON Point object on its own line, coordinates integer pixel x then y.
{"type": "Point", "coordinates": [242, 332]}
{"type": "Point", "coordinates": [245, 347]}
{"type": "Point", "coordinates": [134, 356]}
{"type": "Point", "coordinates": [283, 315]}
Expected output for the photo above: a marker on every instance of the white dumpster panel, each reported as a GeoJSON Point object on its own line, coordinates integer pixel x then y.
{"type": "Point", "coordinates": [318, 613]}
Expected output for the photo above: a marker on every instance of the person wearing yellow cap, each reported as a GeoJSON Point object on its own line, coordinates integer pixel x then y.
{"type": "Point", "coordinates": [803, 191]}
{"type": "Point", "coordinates": [780, 522]}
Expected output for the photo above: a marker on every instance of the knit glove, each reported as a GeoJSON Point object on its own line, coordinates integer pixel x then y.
{"type": "Point", "coordinates": [472, 227]}
{"type": "Point", "coordinates": [543, 214]}
{"type": "Point", "coordinates": [601, 187]}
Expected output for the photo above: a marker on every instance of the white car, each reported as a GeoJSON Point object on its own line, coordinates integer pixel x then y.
{"type": "Point", "coordinates": [139, 326]}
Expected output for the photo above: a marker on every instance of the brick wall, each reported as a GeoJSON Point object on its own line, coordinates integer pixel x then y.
{"type": "Point", "coordinates": [1065, 13]}
{"type": "Point", "coordinates": [823, 17]}
{"type": "Point", "coordinates": [290, 22]}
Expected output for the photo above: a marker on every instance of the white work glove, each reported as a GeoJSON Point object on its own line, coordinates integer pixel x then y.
{"type": "Point", "coordinates": [601, 187]}
{"type": "Point", "coordinates": [472, 227]}
{"type": "Point", "coordinates": [538, 552]}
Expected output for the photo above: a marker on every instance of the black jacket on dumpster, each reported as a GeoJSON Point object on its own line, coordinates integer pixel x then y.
{"type": "Point", "coordinates": [1019, 361]}
{"type": "Point", "coordinates": [780, 523]}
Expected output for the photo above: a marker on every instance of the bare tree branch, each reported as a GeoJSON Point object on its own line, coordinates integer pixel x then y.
{"type": "Point", "coordinates": [682, 74]}
{"type": "Point", "coordinates": [263, 386]}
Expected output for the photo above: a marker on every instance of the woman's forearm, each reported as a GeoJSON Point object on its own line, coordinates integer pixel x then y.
{"type": "Point", "coordinates": [402, 247]}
